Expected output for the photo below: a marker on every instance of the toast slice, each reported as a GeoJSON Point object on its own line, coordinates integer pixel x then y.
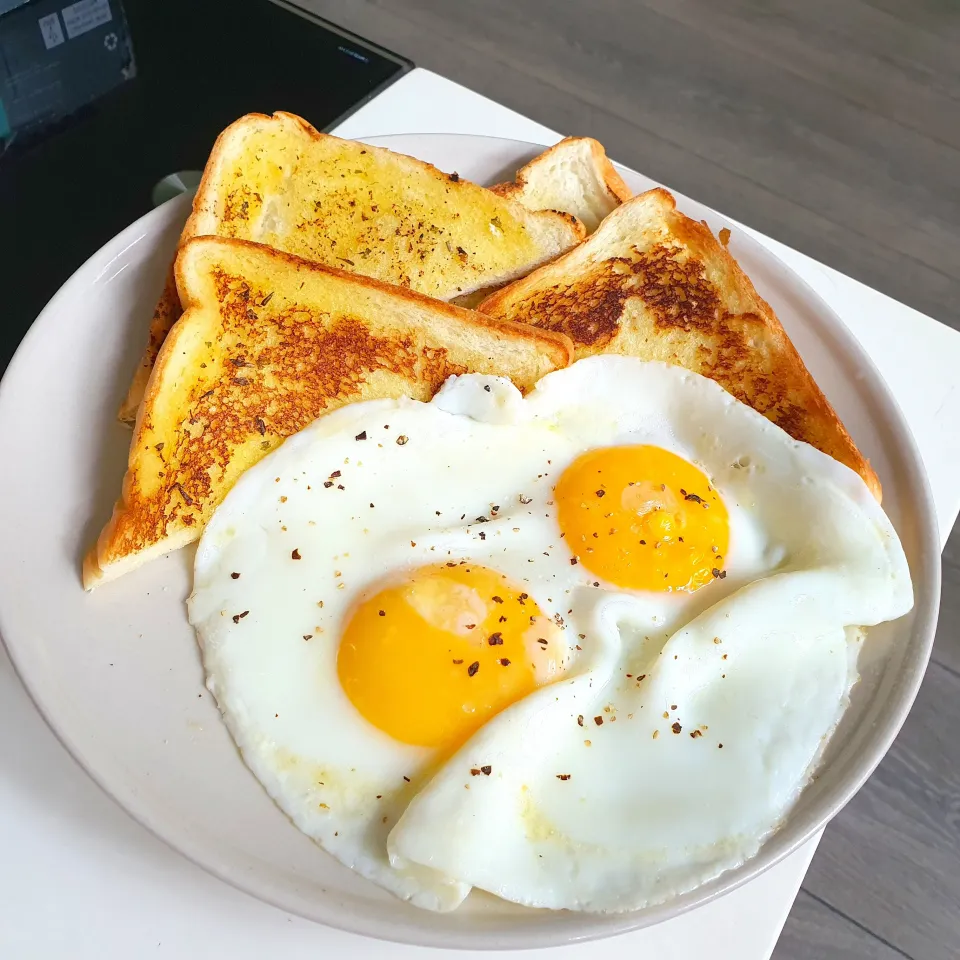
{"type": "Point", "coordinates": [278, 181]}
{"type": "Point", "coordinates": [165, 315]}
{"type": "Point", "coordinates": [652, 283]}
{"type": "Point", "coordinates": [269, 342]}
{"type": "Point", "coordinates": [575, 177]}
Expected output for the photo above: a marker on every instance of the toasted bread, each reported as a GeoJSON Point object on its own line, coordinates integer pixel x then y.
{"type": "Point", "coordinates": [269, 342]}
{"type": "Point", "coordinates": [165, 314]}
{"type": "Point", "coordinates": [278, 181]}
{"type": "Point", "coordinates": [573, 176]}
{"type": "Point", "coordinates": [652, 283]}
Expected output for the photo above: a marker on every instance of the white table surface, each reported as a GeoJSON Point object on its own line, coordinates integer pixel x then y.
{"type": "Point", "coordinates": [80, 879]}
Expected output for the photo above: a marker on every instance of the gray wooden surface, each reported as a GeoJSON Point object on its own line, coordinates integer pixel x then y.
{"type": "Point", "coordinates": [834, 126]}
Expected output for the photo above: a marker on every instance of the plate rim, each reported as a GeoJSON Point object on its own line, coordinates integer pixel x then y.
{"type": "Point", "coordinates": [591, 927]}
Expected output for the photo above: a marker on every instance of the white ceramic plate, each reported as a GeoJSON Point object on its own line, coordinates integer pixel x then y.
{"type": "Point", "coordinates": [117, 673]}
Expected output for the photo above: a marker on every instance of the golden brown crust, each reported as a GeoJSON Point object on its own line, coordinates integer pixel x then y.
{"type": "Point", "coordinates": [345, 204]}
{"type": "Point", "coordinates": [211, 170]}
{"type": "Point", "coordinates": [655, 284]}
{"type": "Point", "coordinates": [556, 345]}
{"type": "Point", "coordinates": [266, 344]}
{"type": "Point", "coordinates": [165, 315]}
{"type": "Point", "coordinates": [615, 184]}
{"type": "Point", "coordinates": [220, 210]}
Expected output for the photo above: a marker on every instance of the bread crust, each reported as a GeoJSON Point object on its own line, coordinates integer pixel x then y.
{"type": "Point", "coordinates": [656, 284]}
{"type": "Point", "coordinates": [268, 342]}
{"type": "Point", "coordinates": [602, 170]}
{"type": "Point", "coordinates": [425, 243]}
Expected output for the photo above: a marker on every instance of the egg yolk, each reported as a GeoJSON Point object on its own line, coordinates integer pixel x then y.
{"type": "Point", "coordinates": [643, 518]}
{"type": "Point", "coordinates": [430, 659]}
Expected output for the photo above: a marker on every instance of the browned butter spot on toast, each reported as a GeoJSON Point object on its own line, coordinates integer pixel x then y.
{"type": "Point", "coordinates": [675, 291]}
{"type": "Point", "coordinates": [676, 297]}
{"type": "Point", "coordinates": [277, 371]}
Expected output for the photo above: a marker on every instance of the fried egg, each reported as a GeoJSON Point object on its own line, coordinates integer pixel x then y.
{"type": "Point", "coordinates": [579, 649]}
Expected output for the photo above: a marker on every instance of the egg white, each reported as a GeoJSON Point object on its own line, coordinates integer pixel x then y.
{"type": "Point", "coordinates": [690, 769]}
{"type": "Point", "coordinates": [638, 819]}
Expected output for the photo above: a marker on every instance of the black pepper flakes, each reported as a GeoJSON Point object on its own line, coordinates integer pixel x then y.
{"type": "Point", "coordinates": [486, 769]}
{"type": "Point", "coordinates": [598, 721]}
{"type": "Point", "coordinates": [695, 733]}
{"type": "Point", "coordinates": [261, 426]}
{"type": "Point", "coordinates": [504, 662]}
{"type": "Point", "coordinates": [676, 728]}
{"type": "Point", "coordinates": [495, 639]}
{"type": "Point", "coordinates": [601, 493]}
{"type": "Point", "coordinates": [234, 576]}
{"type": "Point", "coordinates": [295, 554]}
{"type": "Point", "coordinates": [328, 483]}
{"type": "Point", "coordinates": [183, 493]}
{"type": "Point", "coordinates": [497, 599]}
{"type": "Point", "coordinates": [458, 662]}
{"type": "Point", "coordinates": [486, 387]}
{"type": "Point", "coordinates": [237, 617]}
{"type": "Point", "coordinates": [473, 668]}
{"type": "Point", "coordinates": [718, 573]}
{"type": "Point", "coordinates": [362, 435]}
{"type": "Point", "coordinates": [475, 772]}
{"type": "Point", "coordinates": [383, 613]}
{"type": "Point", "coordinates": [573, 561]}
{"type": "Point", "coordinates": [580, 720]}
{"type": "Point", "coordinates": [563, 776]}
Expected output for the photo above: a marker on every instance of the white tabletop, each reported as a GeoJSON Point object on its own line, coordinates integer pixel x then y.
{"type": "Point", "coordinates": [80, 879]}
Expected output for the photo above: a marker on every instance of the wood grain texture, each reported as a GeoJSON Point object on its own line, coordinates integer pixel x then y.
{"type": "Point", "coordinates": [815, 931]}
{"type": "Point", "coordinates": [946, 650]}
{"type": "Point", "coordinates": [891, 860]}
{"type": "Point", "coordinates": [834, 126]}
